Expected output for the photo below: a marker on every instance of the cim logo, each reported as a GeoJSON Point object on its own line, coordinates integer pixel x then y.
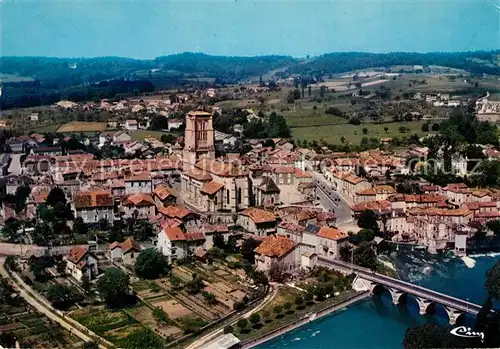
{"type": "Point", "coordinates": [466, 332]}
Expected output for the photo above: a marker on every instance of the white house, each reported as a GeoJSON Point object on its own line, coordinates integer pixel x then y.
{"type": "Point", "coordinates": [140, 183]}
{"type": "Point", "coordinates": [278, 249]}
{"type": "Point", "coordinates": [174, 123]}
{"type": "Point", "coordinates": [175, 244]}
{"type": "Point", "coordinates": [80, 264]}
{"type": "Point", "coordinates": [125, 252]}
{"type": "Point", "coordinates": [131, 125]}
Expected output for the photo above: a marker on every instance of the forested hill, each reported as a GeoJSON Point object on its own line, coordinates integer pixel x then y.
{"type": "Point", "coordinates": [223, 67]}
{"type": "Point", "coordinates": [478, 62]}
{"type": "Point", "coordinates": [32, 81]}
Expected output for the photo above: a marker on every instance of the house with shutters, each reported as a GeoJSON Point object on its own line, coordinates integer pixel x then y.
{"type": "Point", "coordinates": [176, 244]}
{"type": "Point", "coordinates": [81, 264]}
{"type": "Point", "coordinates": [125, 252]}
{"type": "Point", "coordinates": [138, 206]}
{"type": "Point", "coordinates": [257, 221]}
{"type": "Point", "coordinates": [92, 206]}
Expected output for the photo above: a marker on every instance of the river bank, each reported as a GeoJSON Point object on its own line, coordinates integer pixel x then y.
{"type": "Point", "coordinates": [301, 322]}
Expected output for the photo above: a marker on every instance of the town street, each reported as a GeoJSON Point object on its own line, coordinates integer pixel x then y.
{"type": "Point", "coordinates": [332, 200]}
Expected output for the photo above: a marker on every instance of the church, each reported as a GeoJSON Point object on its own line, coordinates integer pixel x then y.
{"type": "Point", "coordinates": [207, 184]}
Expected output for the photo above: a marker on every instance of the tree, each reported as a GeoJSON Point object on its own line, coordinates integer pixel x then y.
{"type": "Point", "coordinates": [494, 226]}
{"type": "Point", "coordinates": [278, 309]}
{"type": "Point", "coordinates": [10, 263]}
{"type": "Point", "coordinates": [143, 338]}
{"type": "Point", "coordinates": [56, 195]}
{"type": "Point", "coordinates": [308, 298]}
{"type": "Point", "coordinates": [277, 127]}
{"type": "Point", "coordinates": [287, 306]}
{"type": "Point", "coordinates": [219, 241]}
{"type": "Point", "coordinates": [242, 324]}
{"type": "Point", "coordinates": [228, 329]}
{"type": "Point", "coordinates": [299, 301]}
{"type": "Point", "coordinates": [259, 278]}
{"type": "Point", "coordinates": [424, 336]}
{"type": "Point", "coordinates": [209, 298]}
{"type": "Point", "coordinates": [151, 264]}
{"type": "Point", "coordinates": [309, 90]}
{"type": "Point", "coordinates": [365, 130]}
{"type": "Point", "coordinates": [435, 127]}
{"type": "Point", "coordinates": [254, 318]}
{"type": "Point", "coordinates": [364, 256]}
{"type": "Point", "coordinates": [38, 266]}
{"type": "Point", "coordinates": [386, 129]}
{"type": "Point", "coordinates": [113, 286]}
{"type": "Point", "coordinates": [22, 193]}
{"type": "Point", "coordinates": [168, 138]}
{"type": "Point", "coordinates": [11, 230]}
{"type": "Point", "coordinates": [342, 139]}
{"type": "Point", "coordinates": [61, 296]}
{"type": "Point", "coordinates": [196, 285]}
{"type": "Point", "coordinates": [492, 283]}
{"type": "Point", "coordinates": [160, 315]}
{"type": "Point", "coordinates": [368, 220]}
{"type": "Point", "coordinates": [247, 250]}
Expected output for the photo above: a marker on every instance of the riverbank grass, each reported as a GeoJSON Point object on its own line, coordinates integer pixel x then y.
{"type": "Point", "coordinates": [270, 320]}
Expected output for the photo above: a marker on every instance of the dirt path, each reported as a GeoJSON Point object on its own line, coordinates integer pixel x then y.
{"type": "Point", "coordinates": [210, 336]}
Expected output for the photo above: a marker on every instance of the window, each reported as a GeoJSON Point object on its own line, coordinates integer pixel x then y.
{"type": "Point", "coordinates": [215, 201]}
{"type": "Point", "coordinates": [238, 197]}
{"type": "Point", "coordinates": [227, 194]}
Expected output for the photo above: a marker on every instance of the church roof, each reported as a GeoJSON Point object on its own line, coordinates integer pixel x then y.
{"type": "Point", "coordinates": [268, 185]}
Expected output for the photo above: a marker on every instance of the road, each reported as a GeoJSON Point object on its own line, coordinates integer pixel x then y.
{"type": "Point", "coordinates": [330, 199]}
{"type": "Point", "coordinates": [42, 308]}
{"type": "Point", "coordinates": [214, 334]}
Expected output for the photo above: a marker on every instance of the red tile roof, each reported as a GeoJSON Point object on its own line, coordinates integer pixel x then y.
{"type": "Point", "coordinates": [174, 211]}
{"type": "Point", "coordinates": [275, 246]}
{"type": "Point", "coordinates": [129, 244]}
{"type": "Point", "coordinates": [162, 192]}
{"type": "Point", "coordinates": [174, 233]}
{"type": "Point", "coordinates": [76, 254]}
{"type": "Point", "coordinates": [212, 187]}
{"type": "Point", "coordinates": [93, 199]}
{"type": "Point", "coordinates": [138, 199]}
{"type": "Point", "coordinates": [259, 215]}
{"type": "Point", "coordinates": [331, 233]}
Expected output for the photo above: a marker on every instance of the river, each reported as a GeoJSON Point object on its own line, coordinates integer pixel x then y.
{"type": "Point", "coordinates": [376, 323]}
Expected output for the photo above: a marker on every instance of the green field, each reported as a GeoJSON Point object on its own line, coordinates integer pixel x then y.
{"type": "Point", "coordinates": [140, 135]}
{"type": "Point", "coordinates": [354, 133]}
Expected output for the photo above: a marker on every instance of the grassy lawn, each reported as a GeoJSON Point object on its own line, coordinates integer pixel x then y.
{"type": "Point", "coordinates": [140, 135]}
{"type": "Point", "coordinates": [354, 133]}
{"type": "Point", "coordinates": [82, 126]}
{"type": "Point", "coordinates": [276, 322]}
{"type": "Point", "coordinates": [43, 128]}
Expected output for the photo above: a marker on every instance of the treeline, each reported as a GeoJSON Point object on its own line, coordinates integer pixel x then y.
{"type": "Point", "coordinates": [340, 62]}
{"type": "Point", "coordinates": [35, 93]}
{"type": "Point", "coordinates": [223, 67]}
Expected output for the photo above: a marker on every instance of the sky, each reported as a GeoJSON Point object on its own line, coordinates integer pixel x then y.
{"type": "Point", "coordinates": [146, 29]}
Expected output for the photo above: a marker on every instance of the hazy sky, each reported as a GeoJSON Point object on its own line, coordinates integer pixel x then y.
{"type": "Point", "coordinates": [147, 29]}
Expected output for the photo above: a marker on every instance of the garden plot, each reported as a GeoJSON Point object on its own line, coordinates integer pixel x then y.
{"type": "Point", "coordinates": [173, 308]}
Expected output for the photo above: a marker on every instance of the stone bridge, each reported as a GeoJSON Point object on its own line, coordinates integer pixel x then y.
{"type": "Point", "coordinates": [425, 297]}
